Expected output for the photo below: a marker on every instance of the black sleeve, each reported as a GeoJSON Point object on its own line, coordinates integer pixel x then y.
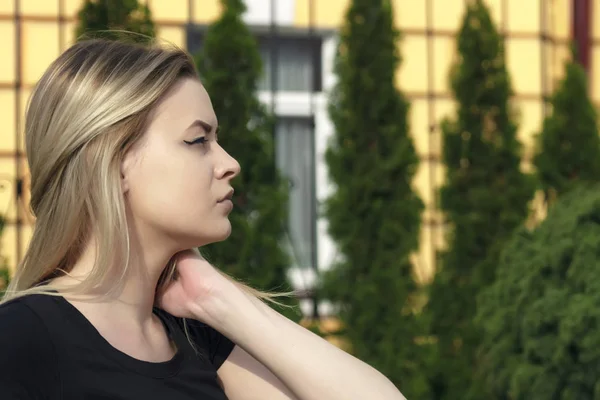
{"type": "Point", "coordinates": [28, 369]}
{"type": "Point", "coordinates": [218, 346]}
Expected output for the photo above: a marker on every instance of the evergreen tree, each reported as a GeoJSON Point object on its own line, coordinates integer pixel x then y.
{"type": "Point", "coordinates": [230, 66]}
{"type": "Point", "coordinates": [4, 271]}
{"type": "Point", "coordinates": [568, 147]}
{"type": "Point", "coordinates": [540, 316]}
{"type": "Point", "coordinates": [374, 215]}
{"type": "Point", "coordinates": [485, 198]}
{"type": "Point", "coordinates": [108, 15]}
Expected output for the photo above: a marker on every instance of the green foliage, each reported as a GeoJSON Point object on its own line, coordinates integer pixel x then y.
{"type": "Point", "coordinates": [541, 315]}
{"type": "Point", "coordinates": [4, 278]}
{"type": "Point", "coordinates": [374, 215]}
{"type": "Point", "coordinates": [485, 197]}
{"type": "Point", "coordinates": [568, 147]}
{"type": "Point", "coordinates": [4, 271]}
{"type": "Point", "coordinates": [107, 19]}
{"type": "Point", "coordinates": [230, 66]}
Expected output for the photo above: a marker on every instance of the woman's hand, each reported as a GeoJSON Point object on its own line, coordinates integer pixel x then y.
{"type": "Point", "coordinates": [200, 291]}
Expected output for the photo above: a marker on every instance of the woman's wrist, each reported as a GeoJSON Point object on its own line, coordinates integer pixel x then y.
{"type": "Point", "coordinates": [233, 314]}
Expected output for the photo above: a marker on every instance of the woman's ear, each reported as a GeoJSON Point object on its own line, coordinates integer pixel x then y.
{"type": "Point", "coordinates": [125, 170]}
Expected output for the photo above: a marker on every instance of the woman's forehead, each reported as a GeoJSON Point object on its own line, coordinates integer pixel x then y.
{"type": "Point", "coordinates": [187, 102]}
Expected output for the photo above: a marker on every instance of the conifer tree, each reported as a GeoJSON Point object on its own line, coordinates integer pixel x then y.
{"type": "Point", "coordinates": [568, 147]}
{"type": "Point", "coordinates": [108, 19]}
{"type": "Point", "coordinates": [484, 198]}
{"type": "Point", "coordinates": [374, 214]}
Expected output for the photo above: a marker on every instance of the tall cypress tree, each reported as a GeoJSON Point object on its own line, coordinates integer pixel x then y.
{"type": "Point", "coordinates": [4, 271]}
{"type": "Point", "coordinates": [230, 66]}
{"type": "Point", "coordinates": [568, 147]}
{"type": "Point", "coordinates": [109, 17]}
{"type": "Point", "coordinates": [485, 198]}
{"type": "Point", "coordinates": [374, 214]}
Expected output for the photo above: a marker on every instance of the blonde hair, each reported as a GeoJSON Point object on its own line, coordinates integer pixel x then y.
{"type": "Point", "coordinates": [89, 108]}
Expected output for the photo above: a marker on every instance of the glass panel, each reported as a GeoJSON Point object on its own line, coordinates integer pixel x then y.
{"type": "Point", "coordinates": [561, 55]}
{"type": "Point", "coordinates": [444, 56]}
{"type": "Point", "coordinates": [7, 186]}
{"type": "Point", "coordinates": [8, 242]}
{"type": "Point", "coordinates": [329, 13]}
{"type": "Point", "coordinates": [294, 153]}
{"type": "Point", "coordinates": [297, 62]}
{"type": "Point", "coordinates": [173, 35]}
{"type": "Point", "coordinates": [595, 79]}
{"type": "Point", "coordinates": [39, 7]}
{"type": "Point", "coordinates": [7, 7]}
{"type": "Point", "coordinates": [523, 16]}
{"type": "Point", "coordinates": [26, 233]}
{"type": "Point", "coordinates": [25, 201]}
{"type": "Point", "coordinates": [68, 31]}
{"type": "Point", "coordinates": [205, 11]}
{"type": "Point", "coordinates": [495, 7]}
{"type": "Point", "coordinates": [411, 72]}
{"type": "Point", "coordinates": [419, 125]}
{"type": "Point", "coordinates": [7, 116]}
{"type": "Point", "coordinates": [40, 48]}
{"type": "Point", "coordinates": [172, 10]}
{"type": "Point", "coordinates": [559, 18]}
{"type": "Point", "coordinates": [548, 67]}
{"type": "Point", "coordinates": [265, 80]}
{"type": "Point", "coordinates": [7, 49]}
{"type": "Point", "coordinates": [410, 14]}
{"type": "Point", "coordinates": [447, 15]}
{"type": "Point", "coordinates": [24, 99]}
{"type": "Point", "coordinates": [194, 39]}
{"type": "Point", "coordinates": [595, 20]}
{"type": "Point", "coordinates": [423, 182]}
{"type": "Point", "coordinates": [72, 7]}
{"type": "Point", "coordinates": [424, 259]}
{"type": "Point", "coordinates": [523, 62]}
{"type": "Point", "coordinates": [8, 247]}
{"type": "Point", "coordinates": [443, 108]}
{"type": "Point", "coordinates": [530, 123]}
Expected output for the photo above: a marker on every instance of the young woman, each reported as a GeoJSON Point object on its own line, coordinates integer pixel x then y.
{"type": "Point", "coordinates": [127, 176]}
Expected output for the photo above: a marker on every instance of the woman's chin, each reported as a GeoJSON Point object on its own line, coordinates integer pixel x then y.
{"type": "Point", "coordinates": [215, 236]}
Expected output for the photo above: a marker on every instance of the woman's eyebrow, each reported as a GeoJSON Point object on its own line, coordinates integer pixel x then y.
{"type": "Point", "coordinates": [202, 124]}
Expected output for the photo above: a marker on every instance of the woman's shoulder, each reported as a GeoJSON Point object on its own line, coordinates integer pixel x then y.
{"type": "Point", "coordinates": [18, 315]}
{"type": "Point", "coordinates": [22, 329]}
{"type": "Point", "coordinates": [27, 353]}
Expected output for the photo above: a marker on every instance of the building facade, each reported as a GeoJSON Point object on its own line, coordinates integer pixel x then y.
{"type": "Point", "coordinates": [297, 39]}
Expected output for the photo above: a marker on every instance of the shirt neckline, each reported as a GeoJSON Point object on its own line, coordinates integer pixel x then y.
{"type": "Point", "coordinates": [162, 369]}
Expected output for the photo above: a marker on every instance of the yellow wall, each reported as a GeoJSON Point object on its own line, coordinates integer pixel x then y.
{"type": "Point", "coordinates": [534, 64]}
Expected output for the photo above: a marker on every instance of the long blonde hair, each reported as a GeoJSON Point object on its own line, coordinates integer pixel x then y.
{"type": "Point", "coordinates": [89, 108]}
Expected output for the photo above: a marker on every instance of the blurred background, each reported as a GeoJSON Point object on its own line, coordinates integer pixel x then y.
{"type": "Point", "coordinates": [298, 41]}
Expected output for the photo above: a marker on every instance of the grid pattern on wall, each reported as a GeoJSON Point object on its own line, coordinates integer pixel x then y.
{"type": "Point", "coordinates": [536, 36]}
{"type": "Point", "coordinates": [34, 32]}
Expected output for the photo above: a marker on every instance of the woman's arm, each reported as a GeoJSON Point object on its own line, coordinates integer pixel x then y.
{"type": "Point", "coordinates": [279, 354]}
{"type": "Point", "coordinates": [274, 359]}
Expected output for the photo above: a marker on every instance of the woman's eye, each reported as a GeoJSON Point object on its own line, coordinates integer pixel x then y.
{"type": "Point", "coordinates": [200, 140]}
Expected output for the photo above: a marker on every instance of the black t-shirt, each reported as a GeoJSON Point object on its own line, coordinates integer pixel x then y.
{"type": "Point", "coordinates": [50, 351]}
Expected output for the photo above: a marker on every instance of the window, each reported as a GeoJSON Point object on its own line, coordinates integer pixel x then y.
{"type": "Point", "coordinates": [294, 146]}
{"type": "Point", "coordinates": [298, 60]}
{"type": "Point", "coordinates": [298, 64]}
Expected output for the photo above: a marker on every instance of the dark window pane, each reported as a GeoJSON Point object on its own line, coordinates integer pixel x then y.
{"type": "Point", "coordinates": [294, 151]}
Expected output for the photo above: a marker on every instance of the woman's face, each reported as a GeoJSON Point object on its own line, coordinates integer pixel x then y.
{"type": "Point", "coordinates": [176, 179]}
